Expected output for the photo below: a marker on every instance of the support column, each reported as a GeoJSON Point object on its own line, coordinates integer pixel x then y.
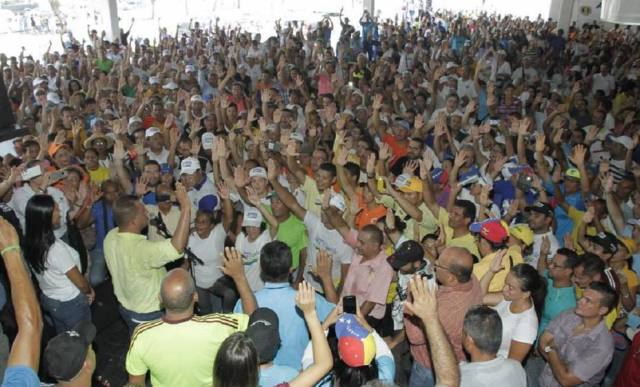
{"type": "Point", "coordinates": [113, 26]}
{"type": "Point", "coordinates": [369, 5]}
{"type": "Point", "coordinates": [560, 11]}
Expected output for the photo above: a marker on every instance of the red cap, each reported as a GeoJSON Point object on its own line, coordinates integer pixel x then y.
{"type": "Point", "coordinates": [492, 230]}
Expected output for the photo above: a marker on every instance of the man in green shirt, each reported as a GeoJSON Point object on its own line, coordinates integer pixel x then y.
{"type": "Point", "coordinates": [292, 232]}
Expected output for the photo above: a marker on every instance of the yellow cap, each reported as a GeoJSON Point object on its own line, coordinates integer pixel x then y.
{"type": "Point", "coordinates": [412, 184]}
{"type": "Point", "coordinates": [522, 232]}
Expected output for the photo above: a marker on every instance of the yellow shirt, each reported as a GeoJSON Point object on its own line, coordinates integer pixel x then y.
{"type": "Point", "coordinates": [97, 176]}
{"type": "Point", "coordinates": [414, 230]}
{"type": "Point", "coordinates": [137, 268]}
{"type": "Point", "coordinates": [313, 199]}
{"type": "Point", "coordinates": [181, 354]}
{"type": "Point", "coordinates": [467, 241]}
{"type": "Point", "coordinates": [512, 258]}
{"type": "Point", "coordinates": [576, 216]}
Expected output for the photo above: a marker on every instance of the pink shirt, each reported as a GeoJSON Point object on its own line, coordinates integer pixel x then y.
{"type": "Point", "coordinates": [368, 280]}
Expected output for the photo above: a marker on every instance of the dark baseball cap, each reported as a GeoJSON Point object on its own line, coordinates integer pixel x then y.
{"type": "Point", "coordinates": [541, 207]}
{"type": "Point", "coordinates": [65, 354]}
{"type": "Point", "coordinates": [606, 240]}
{"type": "Point", "coordinates": [409, 251]}
{"type": "Point", "coordinates": [264, 331]}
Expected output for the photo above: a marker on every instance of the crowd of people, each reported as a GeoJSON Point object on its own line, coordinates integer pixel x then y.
{"type": "Point", "coordinates": [448, 200]}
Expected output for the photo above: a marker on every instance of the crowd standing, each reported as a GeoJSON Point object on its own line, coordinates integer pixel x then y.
{"type": "Point", "coordinates": [446, 200]}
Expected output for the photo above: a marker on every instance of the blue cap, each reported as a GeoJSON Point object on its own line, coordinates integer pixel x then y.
{"type": "Point", "coordinates": [208, 203]}
{"type": "Point", "coordinates": [470, 174]}
{"type": "Point", "coordinates": [165, 168]}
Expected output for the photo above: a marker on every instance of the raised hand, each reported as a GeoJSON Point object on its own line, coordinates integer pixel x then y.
{"type": "Point", "coordinates": [253, 197]}
{"type": "Point", "coordinates": [223, 190]}
{"type": "Point", "coordinates": [589, 215]}
{"type": "Point", "coordinates": [182, 197]}
{"type": "Point", "coordinates": [232, 263]}
{"type": "Point", "coordinates": [324, 263]}
{"type": "Point", "coordinates": [142, 184]}
{"type": "Point", "coordinates": [343, 155]}
{"type": "Point", "coordinates": [424, 302]}
{"type": "Point", "coordinates": [496, 262]}
{"type": "Point", "coordinates": [272, 170]}
{"type": "Point", "coordinates": [540, 143]}
{"type": "Point", "coordinates": [410, 168]}
{"type": "Point", "coordinates": [460, 159]}
{"type": "Point", "coordinates": [240, 177]}
{"type": "Point", "coordinates": [306, 298]}
{"type": "Point", "coordinates": [385, 152]}
{"type": "Point", "coordinates": [377, 102]}
{"type": "Point", "coordinates": [579, 153]}
{"type": "Point", "coordinates": [371, 164]}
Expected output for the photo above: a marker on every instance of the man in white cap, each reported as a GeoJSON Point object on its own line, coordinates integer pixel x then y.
{"type": "Point", "coordinates": [322, 236]}
{"type": "Point", "coordinates": [200, 189]}
{"type": "Point", "coordinates": [155, 145]}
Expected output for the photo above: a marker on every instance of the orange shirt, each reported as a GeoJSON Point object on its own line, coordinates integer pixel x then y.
{"type": "Point", "coordinates": [399, 150]}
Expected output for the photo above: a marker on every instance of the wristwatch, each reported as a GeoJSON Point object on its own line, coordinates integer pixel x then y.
{"type": "Point", "coordinates": [548, 349]}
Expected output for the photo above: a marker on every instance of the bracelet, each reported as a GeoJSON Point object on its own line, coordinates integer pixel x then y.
{"type": "Point", "coordinates": [9, 248]}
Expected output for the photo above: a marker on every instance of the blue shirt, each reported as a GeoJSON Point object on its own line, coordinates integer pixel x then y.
{"type": "Point", "coordinates": [281, 298]}
{"type": "Point", "coordinates": [557, 301]}
{"type": "Point", "coordinates": [276, 374]}
{"type": "Point", "coordinates": [20, 376]}
{"type": "Point", "coordinates": [103, 226]}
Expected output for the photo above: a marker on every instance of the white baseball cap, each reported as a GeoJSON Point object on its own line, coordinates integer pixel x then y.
{"type": "Point", "coordinates": [251, 217]}
{"type": "Point", "coordinates": [151, 131]}
{"type": "Point", "coordinates": [170, 86]}
{"type": "Point", "coordinates": [338, 202]}
{"type": "Point", "coordinates": [189, 166]}
{"type": "Point", "coordinates": [258, 172]}
{"type": "Point", "coordinates": [207, 140]}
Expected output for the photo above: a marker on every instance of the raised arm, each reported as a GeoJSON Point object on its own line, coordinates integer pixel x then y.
{"type": "Point", "coordinates": [181, 235]}
{"type": "Point", "coordinates": [322, 358]}
{"type": "Point", "coordinates": [287, 198]}
{"type": "Point", "coordinates": [234, 268]}
{"type": "Point", "coordinates": [268, 216]}
{"type": "Point", "coordinates": [25, 350]}
{"type": "Point", "coordinates": [492, 299]}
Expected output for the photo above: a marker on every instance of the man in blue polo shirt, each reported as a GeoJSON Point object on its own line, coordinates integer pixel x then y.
{"type": "Point", "coordinates": [279, 296]}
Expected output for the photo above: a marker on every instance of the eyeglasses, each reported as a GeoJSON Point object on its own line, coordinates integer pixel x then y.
{"type": "Point", "coordinates": [439, 266]}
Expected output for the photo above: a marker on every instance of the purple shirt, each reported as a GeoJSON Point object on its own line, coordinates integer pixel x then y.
{"type": "Point", "coordinates": [586, 355]}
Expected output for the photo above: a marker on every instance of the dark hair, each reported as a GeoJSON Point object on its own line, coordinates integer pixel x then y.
{"type": "Point", "coordinates": [484, 326]}
{"type": "Point", "coordinates": [572, 257]}
{"type": "Point", "coordinates": [236, 363]}
{"type": "Point", "coordinates": [352, 168]}
{"type": "Point", "coordinates": [531, 281]}
{"type": "Point", "coordinates": [462, 273]}
{"type": "Point", "coordinates": [374, 232]}
{"type": "Point", "coordinates": [329, 168]}
{"type": "Point", "coordinates": [468, 209]}
{"type": "Point", "coordinates": [152, 162]}
{"type": "Point", "coordinates": [609, 296]}
{"type": "Point", "coordinates": [124, 209]}
{"type": "Point", "coordinates": [592, 264]}
{"type": "Point", "coordinates": [345, 375]}
{"type": "Point", "coordinates": [38, 231]}
{"type": "Point", "coordinates": [275, 261]}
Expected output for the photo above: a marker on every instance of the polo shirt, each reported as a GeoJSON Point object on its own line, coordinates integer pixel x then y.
{"type": "Point", "coordinates": [512, 258]}
{"type": "Point", "coordinates": [368, 280]}
{"type": "Point", "coordinates": [467, 241]}
{"type": "Point", "coordinates": [496, 372]}
{"type": "Point", "coordinates": [137, 268]}
{"type": "Point", "coordinates": [586, 355]}
{"type": "Point", "coordinates": [181, 353]}
{"type": "Point", "coordinates": [293, 233]}
{"type": "Point", "coordinates": [556, 301]}
{"type": "Point", "coordinates": [312, 199]}
{"type": "Point", "coordinates": [20, 376]}
{"type": "Point", "coordinates": [281, 298]}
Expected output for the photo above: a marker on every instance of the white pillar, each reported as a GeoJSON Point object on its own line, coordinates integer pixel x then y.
{"type": "Point", "coordinates": [621, 11]}
{"type": "Point", "coordinates": [369, 5]}
{"type": "Point", "coordinates": [560, 11]}
{"type": "Point", "coordinates": [113, 26]}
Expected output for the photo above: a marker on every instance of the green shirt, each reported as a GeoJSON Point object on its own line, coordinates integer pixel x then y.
{"type": "Point", "coordinates": [128, 91]}
{"type": "Point", "coordinates": [293, 233]}
{"type": "Point", "coordinates": [137, 268]}
{"type": "Point", "coordinates": [104, 65]}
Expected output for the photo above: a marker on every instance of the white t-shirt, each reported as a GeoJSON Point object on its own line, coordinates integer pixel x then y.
{"type": "Point", "coordinates": [161, 158]}
{"type": "Point", "coordinates": [53, 281]}
{"type": "Point", "coordinates": [19, 204]}
{"type": "Point", "coordinates": [208, 250]}
{"type": "Point", "coordinates": [251, 257]}
{"type": "Point", "coordinates": [496, 372]}
{"type": "Point", "coordinates": [330, 240]}
{"type": "Point", "coordinates": [521, 327]}
{"type": "Point", "coordinates": [537, 243]}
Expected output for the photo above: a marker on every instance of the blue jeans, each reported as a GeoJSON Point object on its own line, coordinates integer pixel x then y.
{"type": "Point", "coordinates": [66, 314]}
{"type": "Point", "coordinates": [98, 269]}
{"type": "Point", "coordinates": [133, 319]}
{"type": "Point", "coordinates": [421, 376]}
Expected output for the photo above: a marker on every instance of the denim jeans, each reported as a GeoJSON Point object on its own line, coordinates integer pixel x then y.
{"type": "Point", "coordinates": [67, 314]}
{"type": "Point", "coordinates": [133, 319]}
{"type": "Point", "coordinates": [421, 376]}
{"type": "Point", "coordinates": [208, 302]}
{"type": "Point", "coordinates": [533, 368]}
{"type": "Point", "coordinates": [98, 270]}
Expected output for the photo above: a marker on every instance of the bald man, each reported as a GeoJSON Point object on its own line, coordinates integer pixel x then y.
{"type": "Point", "coordinates": [179, 349]}
{"type": "Point", "coordinates": [458, 291]}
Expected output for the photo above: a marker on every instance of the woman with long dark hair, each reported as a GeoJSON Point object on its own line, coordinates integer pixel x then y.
{"type": "Point", "coordinates": [237, 363]}
{"type": "Point", "coordinates": [519, 306]}
{"type": "Point", "coordinates": [66, 293]}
